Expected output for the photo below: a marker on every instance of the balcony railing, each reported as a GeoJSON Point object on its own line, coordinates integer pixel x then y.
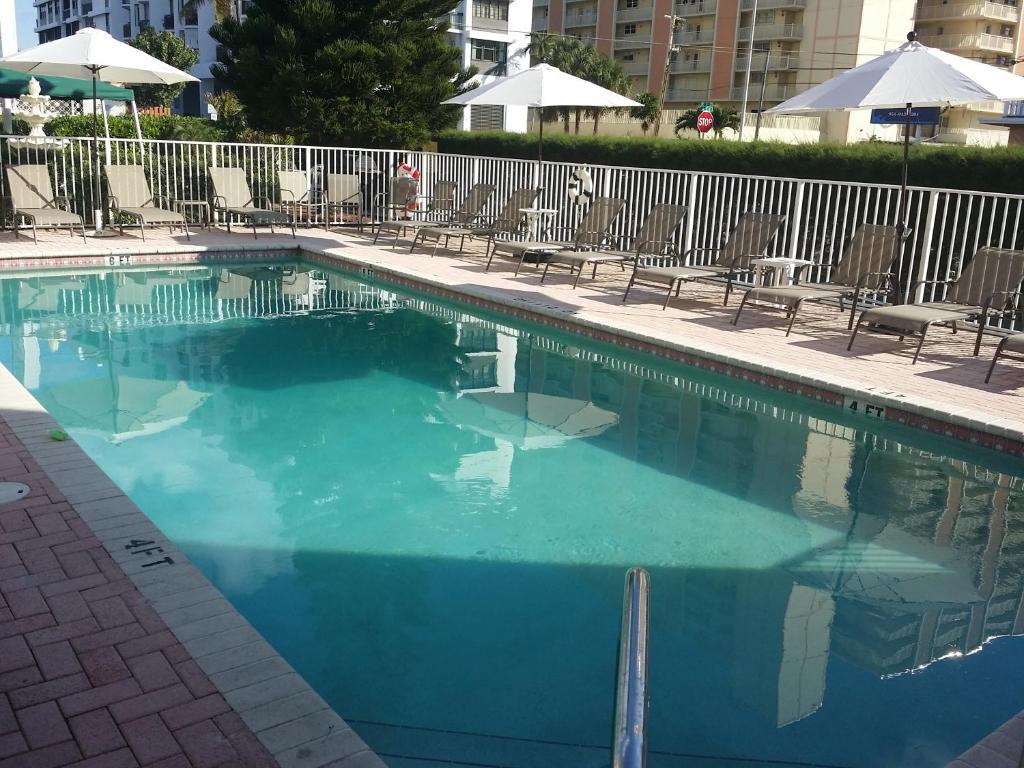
{"type": "Point", "coordinates": [1013, 109]}
{"type": "Point", "coordinates": [772, 32]}
{"type": "Point", "coordinates": [776, 61]}
{"type": "Point", "coordinates": [632, 41]}
{"type": "Point", "coordinates": [682, 66]}
{"type": "Point", "coordinates": [767, 5]}
{"type": "Point", "coordinates": [636, 67]}
{"type": "Point", "coordinates": [771, 93]}
{"type": "Point", "coordinates": [586, 19]}
{"type": "Point", "coordinates": [540, 24]}
{"type": "Point", "coordinates": [696, 7]}
{"type": "Point", "coordinates": [996, 11]}
{"type": "Point", "coordinates": [642, 13]}
{"type": "Point", "coordinates": [961, 42]}
{"type": "Point", "coordinates": [689, 37]}
{"type": "Point", "coordinates": [457, 20]}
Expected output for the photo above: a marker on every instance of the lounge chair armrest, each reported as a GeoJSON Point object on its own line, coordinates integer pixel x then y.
{"type": "Point", "coordinates": [700, 250]}
{"type": "Point", "coordinates": [290, 194]}
{"type": "Point", "coordinates": [63, 199]}
{"type": "Point", "coordinates": [918, 283]}
{"type": "Point", "coordinates": [263, 199]}
{"type": "Point", "coordinates": [220, 202]}
{"type": "Point", "coordinates": [885, 279]}
{"type": "Point", "coordinates": [164, 200]}
{"type": "Point", "coordinates": [1011, 301]}
{"type": "Point", "coordinates": [113, 203]}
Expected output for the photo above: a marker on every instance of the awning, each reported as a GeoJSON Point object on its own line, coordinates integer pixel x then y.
{"type": "Point", "coordinates": [13, 84]}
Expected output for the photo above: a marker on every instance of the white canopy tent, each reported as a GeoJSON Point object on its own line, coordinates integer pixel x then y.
{"type": "Point", "coordinates": [93, 54]}
{"type": "Point", "coordinates": [543, 86]}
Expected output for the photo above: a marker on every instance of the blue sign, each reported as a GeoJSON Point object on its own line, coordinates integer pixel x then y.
{"type": "Point", "coordinates": [898, 116]}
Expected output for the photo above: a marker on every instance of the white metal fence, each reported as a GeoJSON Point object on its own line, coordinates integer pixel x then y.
{"type": "Point", "coordinates": [946, 225]}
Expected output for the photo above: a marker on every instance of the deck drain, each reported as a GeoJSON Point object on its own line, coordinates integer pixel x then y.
{"type": "Point", "coordinates": [12, 492]}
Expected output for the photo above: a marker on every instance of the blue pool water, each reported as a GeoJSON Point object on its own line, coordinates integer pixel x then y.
{"type": "Point", "coordinates": [430, 515]}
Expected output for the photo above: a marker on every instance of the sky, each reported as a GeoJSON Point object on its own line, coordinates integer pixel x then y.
{"type": "Point", "coordinates": [25, 14]}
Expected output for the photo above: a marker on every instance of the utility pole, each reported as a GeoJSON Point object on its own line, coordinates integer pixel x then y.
{"type": "Point", "coordinates": [746, 80]}
{"type": "Point", "coordinates": [760, 103]}
{"type": "Point", "coordinates": [669, 50]}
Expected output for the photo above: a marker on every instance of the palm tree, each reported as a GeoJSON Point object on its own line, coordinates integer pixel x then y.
{"type": "Point", "coordinates": [569, 55]}
{"type": "Point", "coordinates": [649, 112]}
{"type": "Point", "coordinates": [609, 74]}
{"type": "Point", "coordinates": [725, 117]}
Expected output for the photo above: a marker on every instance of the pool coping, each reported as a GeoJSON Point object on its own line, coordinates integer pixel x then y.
{"type": "Point", "coordinates": [294, 724]}
{"type": "Point", "coordinates": [965, 424]}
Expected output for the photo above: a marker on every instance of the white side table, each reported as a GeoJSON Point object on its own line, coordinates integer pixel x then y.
{"type": "Point", "coordinates": [535, 219]}
{"type": "Point", "coordinates": [780, 265]}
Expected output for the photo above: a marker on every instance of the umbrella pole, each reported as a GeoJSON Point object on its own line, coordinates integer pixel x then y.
{"type": "Point", "coordinates": [902, 229]}
{"type": "Point", "coordinates": [540, 150]}
{"type": "Point", "coordinates": [96, 206]}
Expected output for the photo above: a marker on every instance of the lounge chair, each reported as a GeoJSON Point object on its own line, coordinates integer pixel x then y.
{"type": "Point", "coordinates": [653, 240]}
{"type": "Point", "coordinates": [989, 286]}
{"type": "Point", "coordinates": [509, 222]}
{"type": "Point", "coordinates": [467, 214]}
{"type": "Point", "coordinates": [401, 200]}
{"type": "Point", "coordinates": [130, 197]}
{"type": "Point", "coordinates": [232, 197]}
{"type": "Point", "coordinates": [33, 200]}
{"type": "Point", "coordinates": [592, 233]}
{"type": "Point", "coordinates": [865, 266]}
{"type": "Point", "coordinates": [294, 195]}
{"type": "Point", "coordinates": [1011, 344]}
{"type": "Point", "coordinates": [749, 240]}
{"type": "Point", "coordinates": [343, 195]}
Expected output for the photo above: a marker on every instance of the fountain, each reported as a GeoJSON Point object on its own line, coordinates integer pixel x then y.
{"type": "Point", "coordinates": [32, 109]}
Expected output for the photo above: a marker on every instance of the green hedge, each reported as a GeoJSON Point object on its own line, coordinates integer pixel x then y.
{"type": "Point", "coordinates": [153, 127]}
{"type": "Point", "coordinates": [976, 168]}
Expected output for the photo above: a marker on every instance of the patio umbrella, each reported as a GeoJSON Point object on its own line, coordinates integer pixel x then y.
{"type": "Point", "coordinates": [93, 54]}
{"type": "Point", "coordinates": [910, 76]}
{"type": "Point", "coordinates": [542, 86]}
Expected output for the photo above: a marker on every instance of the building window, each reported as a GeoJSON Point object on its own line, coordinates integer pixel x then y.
{"type": "Point", "coordinates": [629, 29]}
{"type": "Point", "coordinates": [632, 3]}
{"type": "Point", "coordinates": [628, 57]}
{"type": "Point", "coordinates": [489, 50]}
{"type": "Point", "coordinates": [490, 9]}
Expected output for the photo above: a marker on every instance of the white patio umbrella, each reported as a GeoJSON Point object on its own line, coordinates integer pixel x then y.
{"type": "Point", "coordinates": [542, 86]}
{"type": "Point", "coordinates": [93, 53]}
{"type": "Point", "coordinates": [910, 76]}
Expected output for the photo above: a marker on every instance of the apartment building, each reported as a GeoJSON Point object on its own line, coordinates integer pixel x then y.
{"type": "Point", "coordinates": [493, 36]}
{"type": "Point", "coordinates": [795, 44]}
{"type": "Point", "coordinates": [124, 19]}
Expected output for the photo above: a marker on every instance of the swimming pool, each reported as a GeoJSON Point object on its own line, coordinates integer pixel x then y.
{"type": "Point", "coordinates": [429, 513]}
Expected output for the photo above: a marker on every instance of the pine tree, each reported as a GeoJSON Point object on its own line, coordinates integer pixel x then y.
{"type": "Point", "coordinates": [349, 72]}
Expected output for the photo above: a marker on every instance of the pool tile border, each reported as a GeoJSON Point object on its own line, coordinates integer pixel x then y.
{"type": "Point", "coordinates": [288, 717]}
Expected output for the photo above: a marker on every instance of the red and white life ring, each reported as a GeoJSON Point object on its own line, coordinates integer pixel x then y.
{"type": "Point", "coordinates": [408, 171]}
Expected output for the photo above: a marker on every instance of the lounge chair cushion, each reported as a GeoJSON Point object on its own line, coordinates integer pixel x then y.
{"type": "Point", "coordinates": [521, 247]}
{"type": "Point", "coordinates": [916, 317]}
{"type": "Point", "coordinates": [669, 275]}
{"type": "Point", "coordinates": [791, 295]}
{"type": "Point", "coordinates": [260, 215]}
{"type": "Point", "coordinates": [154, 215]}
{"type": "Point", "coordinates": [50, 216]}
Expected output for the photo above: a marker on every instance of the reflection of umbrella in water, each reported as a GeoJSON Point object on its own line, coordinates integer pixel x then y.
{"type": "Point", "coordinates": [122, 406]}
{"type": "Point", "coordinates": [879, 563]}
{"type": "Point", "coordinates": [44, 294]}
{"type": "Point", "coordinates": [528, 420]}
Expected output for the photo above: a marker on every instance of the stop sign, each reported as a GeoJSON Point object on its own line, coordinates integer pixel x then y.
{"type": "Point", "coordinates": [705, 121]}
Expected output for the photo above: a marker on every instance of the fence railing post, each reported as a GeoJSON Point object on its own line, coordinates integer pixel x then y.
{"type": "Point", "coordinates": [691, 211]}
{"type": "Point", "coordinates": [924, 255]}
{"type": "Point", "coordinates": [795, 224]}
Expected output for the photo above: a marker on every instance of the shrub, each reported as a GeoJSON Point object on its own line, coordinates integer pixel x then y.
{"type": "Point", "coordinates": [153, 127]}
{"type": "Point", "coordinates": [977, 168]}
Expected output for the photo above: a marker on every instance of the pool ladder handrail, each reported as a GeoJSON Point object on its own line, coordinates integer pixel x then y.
{"type": "Point", "coordinates": [629, 749]}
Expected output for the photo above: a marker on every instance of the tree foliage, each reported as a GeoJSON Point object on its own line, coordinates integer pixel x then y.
{"type": "Point", "coordinates": [354, 72]}
{"type": "Point", "coordinates": [170, 49]}
{"type": "Point", "coordinates": [649, 111]}
{"type": "Point", "coordinates": [725, 117]}
{"type": "Point", "coordinates": [577, 58]}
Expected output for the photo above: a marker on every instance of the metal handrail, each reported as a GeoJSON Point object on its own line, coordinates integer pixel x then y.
{"type": "Point", "coordinates": [630, 739]}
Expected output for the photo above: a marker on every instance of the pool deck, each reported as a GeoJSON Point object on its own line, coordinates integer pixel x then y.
{"type": "Point", "coordinates": [120, 653]}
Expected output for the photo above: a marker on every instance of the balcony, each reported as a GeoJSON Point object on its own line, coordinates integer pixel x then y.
{"type": "Point", "coordinates": [769, 5]}
{"type": "Point", "coordinates": [685, 96]}
{"type": "Point", "coordinates": [1013, 109]}
{"type": "Point", "coordinates": [772, 32]}
{"type": "Point", "coordinates": [456, 20]}
{"type": "Point", "coordinates": [643, 13]}
{"type": "Point", "coordinates": [982, 42]}
{"type": "Point", "coordinates": [686, 8]}
{"type": "Point", "coordinates": [191, 38]}
{"type": "Point", "coordinates": [540, 24]}
{"type": "Point", "coordinates": [635, 67]}
{"type": "Point", "coordinates": [681, 66]}
{"type": "Point", "coordinates": [993, 11]}
{"type": "Point", "coordinates": [582, 19]}
{"type": "Point", "coordinates": [692, 37]}
{"type": "Point", "coordinates": [625, 42]}
{"type": "Point", "coordinates": [771, 93]}
{"type": "Point", "coordinates": [777, 62]}
{"type": "Point", "coordinates": [489, 23]}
